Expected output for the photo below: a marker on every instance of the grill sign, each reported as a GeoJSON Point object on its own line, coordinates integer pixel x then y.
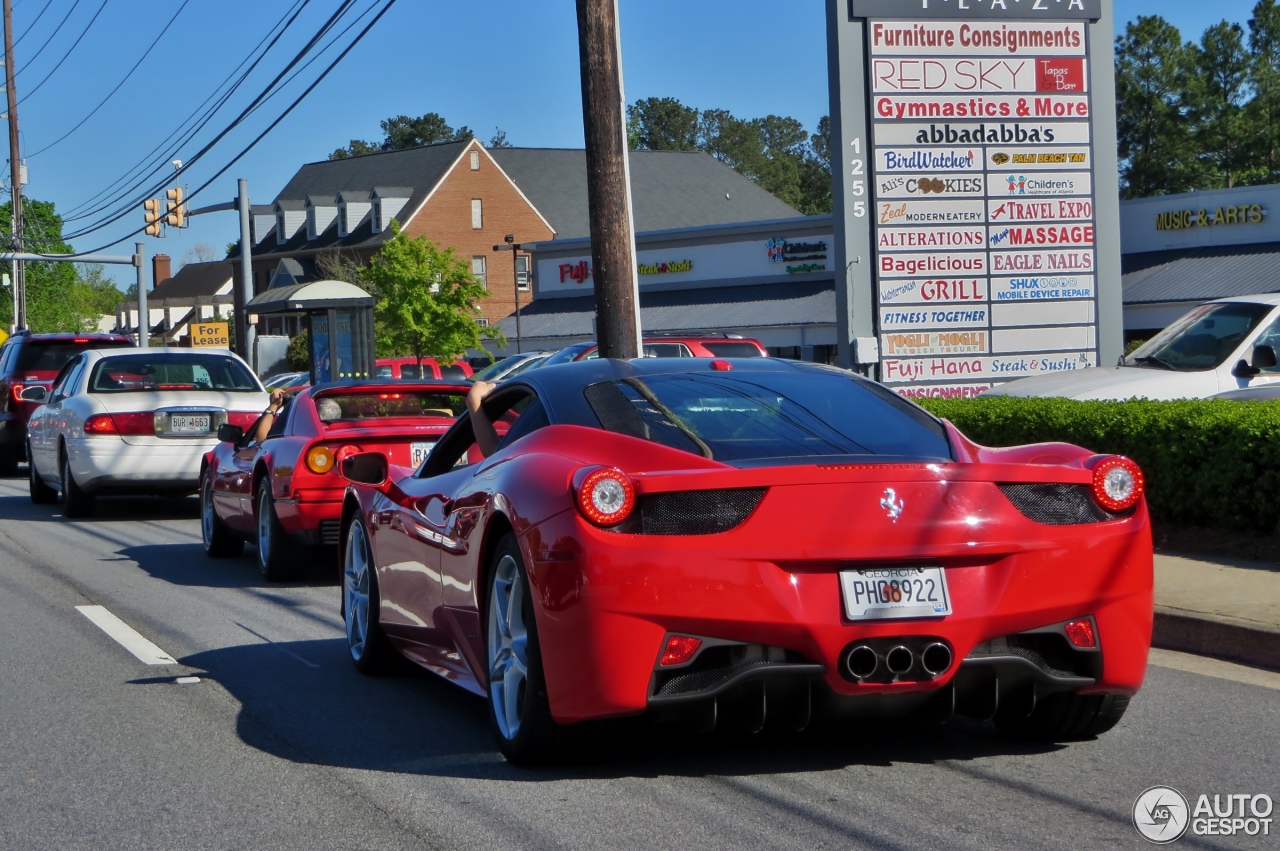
{"type": "Point", "coordinates": [981, 128]}
{"type": "Point", "coordinates": [212, 335]}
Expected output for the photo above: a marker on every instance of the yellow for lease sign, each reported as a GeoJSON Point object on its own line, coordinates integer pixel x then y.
{"type": "Point", "coordinates": [210, 335]}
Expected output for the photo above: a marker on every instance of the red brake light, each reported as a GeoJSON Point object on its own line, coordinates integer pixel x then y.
{"type": "Point", "coordinates": [244, 419]}
{"type": "Point", "coordinates": [721, 365]}
{"type": "Point", "coordinates": [17, 392]}
{"type": "Point", "coordinates": [679, 649]}
{"type": "Point", "coordinates": [390, 395]}
{"type": "Point", "coordinates": [1117, 483]}
{"type": "Point", "coordinates": [143, 422]}
{"type": "Point", "coordinates": [1081, 634]}
{"type": "Point", "coordinates": [100, 424]}
{"type": "Point", "coordinates": [81, 340]}
{"type": "Point", "coordinates": [606, 496]}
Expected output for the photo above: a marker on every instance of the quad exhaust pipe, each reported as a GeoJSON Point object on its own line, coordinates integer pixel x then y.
{"type": "Point", "coordinates": [936, 659]}
{"type": "Point", "coordinates": [899, 660]}
{"type": "Point", "coordinates": [864, 661]}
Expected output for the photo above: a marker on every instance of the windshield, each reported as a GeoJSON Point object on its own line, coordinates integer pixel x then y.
{"type": "Point", "coordinates": [345, 407]}
{"type": "Point", "coordinates": [149, 373]}
{"type": "Point", "coordinates": [41, 356]}
{"type": "Point", "coordinates": [567, 354]}
{"type": "Point", "coordinates": [1202, 339]}
{"type": "Point", "coordinates": [779, 418]}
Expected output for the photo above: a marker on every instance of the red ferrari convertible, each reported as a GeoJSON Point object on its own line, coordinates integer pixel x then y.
{"type": "Point", "coordinates": [286, 490]}
{"type": "Point", "coordinates": [749, 541]}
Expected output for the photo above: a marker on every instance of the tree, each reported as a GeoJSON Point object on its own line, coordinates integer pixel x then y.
{"type": "Point", "coordinates": [1264, 80]}
{"type": "Point", "coordinates": [1218, 92]}
{"type": "Point", "coordinates": [94, 295]}
{"type": "Point", "coordinates": [356, 148]}
{"type": "Point", "coordinates": [401, 131]}
{"type": "Point", "coordinates": [662, 124]}
{"type": "Point", "coordinates": [426, 299]}
{"type": "Point", "coordinates": [54, 300]}
{"type": "Point", "coordinates": [1157, 152]}
{"type": "Point", "coordinates": [201, 252]}
{"type": "Point", "coordinates": [499, 139]}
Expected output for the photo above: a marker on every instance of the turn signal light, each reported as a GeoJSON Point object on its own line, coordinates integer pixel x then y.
{"type": "Point", "coordinates": [17, 392]}
{"type": "Point", "coordinates": [320, 460]}
{"type": "Point", "coordinates": [100, 424]}
{"type": "Point", "coordinates": [679, 649]}
{"type": "Point", "coordinates": [606, 496]}
{"type": "Point", "coordinates": [1081, 634]}
{"type": "Point", "coordinates": [138, 423]}
{"type": "Point", "coordinates": [1117, 483]}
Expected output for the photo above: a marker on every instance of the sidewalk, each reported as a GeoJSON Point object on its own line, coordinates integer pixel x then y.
{"type": "Point", "coordinates": [1219, 607]}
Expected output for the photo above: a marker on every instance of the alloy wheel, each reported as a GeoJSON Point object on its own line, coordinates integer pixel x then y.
{"type": "Point", "coordinates": [508, 644]}
{"type": "Point", "coordinates": [355, 584]}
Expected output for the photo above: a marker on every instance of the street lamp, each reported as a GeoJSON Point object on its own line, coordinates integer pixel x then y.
{"type": "Point", "coordinates": [514, 247]}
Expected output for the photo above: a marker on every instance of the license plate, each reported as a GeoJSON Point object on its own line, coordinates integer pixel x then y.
{"type": "Point", "coordinates": [419, 452]}
{"type": "Point", "coordinates": [876, 593]}
{"type": "Point", "coordinates": [189, 424]}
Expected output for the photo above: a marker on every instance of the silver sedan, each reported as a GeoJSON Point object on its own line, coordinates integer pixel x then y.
{"type": "Point", "coordinates": [134, 420]}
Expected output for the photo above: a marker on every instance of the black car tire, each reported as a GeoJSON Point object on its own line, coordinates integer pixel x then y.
{"type": "Point", "coordinates": [9, 461]}
{"type": "Point", "coordinates": [1065, 718]}
{"type": "Point", "coordinates": [218, 540]}
{"type": "Point", "coordinates": [538, 739]}
{"type": "Point", "coordinates": [371, 652]}
{"type": "Point", "coordinates": [41, 493]}
{"type": "Point", "coordinates": [75, 502]}
{"type": "Point", "coordinates": [276, 560]}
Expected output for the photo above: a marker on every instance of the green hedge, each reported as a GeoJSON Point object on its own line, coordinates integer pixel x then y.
{"type": "Point", "coordinates": [1207, 463]}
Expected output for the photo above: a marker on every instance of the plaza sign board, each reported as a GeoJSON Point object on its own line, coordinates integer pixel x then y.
{"type": "Point", "coordinates": [970, 155]}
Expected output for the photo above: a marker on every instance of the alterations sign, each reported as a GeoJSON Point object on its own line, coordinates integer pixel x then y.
{"type": "Point", "coordinates": [978, 176]}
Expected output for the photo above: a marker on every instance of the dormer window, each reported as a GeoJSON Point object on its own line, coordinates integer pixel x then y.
{"type": "Point", "coordinates": [377, 215]}
{"type": "Point", "coordinates": [280, 233]}
{"type": "Point", "coordinates": [343, 229]}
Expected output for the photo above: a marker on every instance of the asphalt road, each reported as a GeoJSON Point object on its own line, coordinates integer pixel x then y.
{"type": "Point", "coordinates": [283, 745]}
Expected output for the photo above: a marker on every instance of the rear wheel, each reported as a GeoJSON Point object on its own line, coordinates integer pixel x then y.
{"type": "Point", "coordinates": [518, 707]}
{"type": "Point", "coordinates": [217, 538]}
{"type": "Point", "coordinates": [41, 494]}
{"type": "Point", "coordinates": [370, 650]}
{"type": "Point", "coordinates": [75, 502]}
{"type": "Point", "coordinates": [1065, 717]}
{"type": "Point", "coordinates": [275, 560]}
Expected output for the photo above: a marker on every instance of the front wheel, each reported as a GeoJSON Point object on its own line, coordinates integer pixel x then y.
{"type": "Point", "coordinates": [75, 502]}
{"type": "Point", "coordinates": [1065, 718]}
{"type": "Point", "coordinates": [519, 710]}
{"type": "Point", "coordinates": [217, 538]}
{"type": "Point", "coordinates": [370, 650]}
{"type": "Point", "coordinates": [274, 559]}
{"type": "Point", "coordinates": [41, 493]}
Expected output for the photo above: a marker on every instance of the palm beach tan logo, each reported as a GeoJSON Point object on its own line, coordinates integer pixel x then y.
{"type": "Point", "coordinates": [999, 159]}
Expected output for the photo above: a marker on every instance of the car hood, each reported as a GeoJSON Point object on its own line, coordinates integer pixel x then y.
{"type": "Point", "coordinates": [1116, 382]}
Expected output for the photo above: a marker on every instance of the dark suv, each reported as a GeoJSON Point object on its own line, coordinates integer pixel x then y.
{"type": "Point", "coordinates": [29, 359]}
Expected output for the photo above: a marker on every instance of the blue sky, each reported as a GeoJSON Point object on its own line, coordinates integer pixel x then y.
{"type": "Point", "coordinates": [482, 63]}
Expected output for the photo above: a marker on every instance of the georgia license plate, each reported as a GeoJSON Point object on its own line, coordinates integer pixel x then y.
{"type": "Point", "coordinates": [188, 424]}
{"type": "Point", "coordinates": [895, 592]}
{"type": "Point", "coordinates": [418, 452]}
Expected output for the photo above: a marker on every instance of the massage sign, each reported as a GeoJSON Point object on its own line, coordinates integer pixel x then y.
{"type": "Point", "coordinates": [981, 172]}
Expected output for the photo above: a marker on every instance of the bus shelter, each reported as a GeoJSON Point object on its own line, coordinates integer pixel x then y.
{"type": "Point", "coordinates": [339, 320]}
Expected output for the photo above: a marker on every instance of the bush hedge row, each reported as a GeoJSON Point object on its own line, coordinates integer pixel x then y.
{"type": "Point", "coordinates": [1207, 463]}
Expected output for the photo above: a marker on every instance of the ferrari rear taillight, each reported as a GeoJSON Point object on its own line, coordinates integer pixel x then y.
{"type": "Point", "coordinates": [130, 424]}
{"type": "Point", "coordinates": [1117, 483]}
{"type": "Point", "coordinates": [320, 460]}
{"type": "Point", "coordinates": [679, 649]}
{"type": "Point", "coordinates": [1081, 633]}
{"type": "Point", "coordinates": [606, 496]}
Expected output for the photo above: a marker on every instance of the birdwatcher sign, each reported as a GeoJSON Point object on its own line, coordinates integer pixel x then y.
{"type": "Point", "coordinates": [975, 181]}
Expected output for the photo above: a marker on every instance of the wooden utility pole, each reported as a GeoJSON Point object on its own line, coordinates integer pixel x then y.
{"type": "Point", "coordinates": [15, 174]}
{"type": "Point", "coordinates": [613, 249]}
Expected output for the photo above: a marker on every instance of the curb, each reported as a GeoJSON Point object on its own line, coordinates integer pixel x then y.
{"type": "Point", "coordinates": [1257, 647]}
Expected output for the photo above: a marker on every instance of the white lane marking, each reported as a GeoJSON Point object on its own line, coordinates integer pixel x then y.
{"type": "Point", "coordinates": [1208, 667]}
{"type": "Point", "coordinates": [126, 636]}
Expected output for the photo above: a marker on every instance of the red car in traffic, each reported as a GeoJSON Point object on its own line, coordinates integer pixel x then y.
{"type": "Point", "coordinates": [285, 491]}
{"type": "Point", "coordinates": [413, 369]}
{"type": "Point", "coordinates": [761, 541]}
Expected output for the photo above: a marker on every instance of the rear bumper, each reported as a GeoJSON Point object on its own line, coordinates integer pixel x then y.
{"type": "Point", "coordinates": [106, 464]}
{"type": "Point", "coordinates": [607, 602]}
{"type": "Point", "coordinates": [312, 522]}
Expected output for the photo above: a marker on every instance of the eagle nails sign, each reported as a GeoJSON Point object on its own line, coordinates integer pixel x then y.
{"type": "Point", "coordinates": [969, 181]}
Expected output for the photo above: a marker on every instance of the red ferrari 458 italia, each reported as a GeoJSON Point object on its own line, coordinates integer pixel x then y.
{"type": "Point", "coordinates": [754, 541]}
{"type": "Point", "coordinates": [286, 490]}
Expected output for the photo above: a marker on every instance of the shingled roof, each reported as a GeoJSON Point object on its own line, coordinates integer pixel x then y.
{"type": "Point", "coordinates": [194, 281]}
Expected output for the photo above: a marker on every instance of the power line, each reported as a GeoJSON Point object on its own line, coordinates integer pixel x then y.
{"type": "Point", "coordinates": [18, 71]}
{"type": "Point", "coordinates": [129, 206]}
{"type": "Point", "coordinates": [74, 45]}
{"type": "Point", "coordinates": [103, 102]}
{"type": "Point", "coordinates": [287, 20]}
{"type": "Point", "coordinates": [274, 124]}
{"type": "Point", "coordinates": [32, 26]}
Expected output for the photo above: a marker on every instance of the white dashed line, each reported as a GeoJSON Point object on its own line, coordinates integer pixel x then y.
{"type": "Point", "coordinates": [126, 636]}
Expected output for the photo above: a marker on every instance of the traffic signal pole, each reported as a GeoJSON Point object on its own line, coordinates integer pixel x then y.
{"type": "Point", "coordinates": [15, 174]}
{"type": "Point", "coordinates": [246, 279]}
{"type": "Point", "coordinates": [144, 315]}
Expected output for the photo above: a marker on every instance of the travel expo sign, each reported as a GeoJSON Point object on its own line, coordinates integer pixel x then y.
{"type": "Point", "coordinates": [981, 162]}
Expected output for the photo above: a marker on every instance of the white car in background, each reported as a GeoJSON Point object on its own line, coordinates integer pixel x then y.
{"type": "Point", "coordinates": [134, 421]}
{"type": "Point", "coordinates": [1220, 346]}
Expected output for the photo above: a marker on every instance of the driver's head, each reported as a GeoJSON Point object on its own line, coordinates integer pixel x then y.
{"type": "Point", "coordinates": [328, 410]}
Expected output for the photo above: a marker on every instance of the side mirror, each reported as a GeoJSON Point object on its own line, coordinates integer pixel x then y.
{"type": "Point", "coordinates": [38, 393]}
{"type": "Point", "coordinates": [228, 433]}
{"type": "Point", "coordinates": [367, 468]}
{"type": "Point", "coordinates": [1264, 357]}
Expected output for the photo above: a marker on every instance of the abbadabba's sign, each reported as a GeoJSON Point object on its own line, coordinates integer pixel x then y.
{"type": "Point", "coordinates": [981, 161]}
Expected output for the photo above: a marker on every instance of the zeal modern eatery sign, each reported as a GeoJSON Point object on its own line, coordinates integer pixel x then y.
{"type": "Point", "coordinates": [977, 211]}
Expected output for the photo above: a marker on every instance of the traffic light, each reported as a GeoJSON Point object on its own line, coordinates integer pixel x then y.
{"type": "Point", "coordinates": [177, 217]}
{"type": "Point", "coordinates": [151, 207]}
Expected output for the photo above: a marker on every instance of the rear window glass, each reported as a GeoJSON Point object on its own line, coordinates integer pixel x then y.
{"type": "Point", "coordinates": [412, 372]}
{"type": "Point", "coordinates": [452, 370]}
{"type": "Point", "coordinates": [666, 350]}
{"type": "Point", "coordinates": [345, 407]}
{"type": "Point", "coordinates": [785, 418]}
{"type": "Point", "coordinates": [148, 373]}
{"type": "Point", "coordinates": [39, 356]}
{"type": "Point", "coordinates": [733, 350]}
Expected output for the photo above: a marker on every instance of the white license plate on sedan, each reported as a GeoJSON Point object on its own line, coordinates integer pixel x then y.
{"type": "Point", "coordinates": [189, 423]}
{"type": "Point", "coordinates": [876, 593]}
{"type": "Point", "coordinates": [418, 452]}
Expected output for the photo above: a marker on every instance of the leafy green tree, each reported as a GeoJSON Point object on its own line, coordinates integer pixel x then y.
{"type": "Point", "coordinates": [52, 304]}
{"type": "Point", "coordinates": [1157, 151]}
{"type": "Point", "coordinates": [356, 148]}
{"type": "Point", "coordinates": [298, 355]}
{"type": "Point", "coordinates": [401, 131]}
{"type": "Point", "coordinates": [499, 139]}
{"type": "Point", "coordinates": [426, 299]}
{"type": "Point", "coordinates": [1264, 80]}
{"type": "Point", "coordinates": [1218, 92]}
{"type": "Point", "coordinates": [662, 124]}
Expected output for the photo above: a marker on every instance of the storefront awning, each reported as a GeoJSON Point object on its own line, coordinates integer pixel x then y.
{"type": "Point", "coordinates": [1201, 274]}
